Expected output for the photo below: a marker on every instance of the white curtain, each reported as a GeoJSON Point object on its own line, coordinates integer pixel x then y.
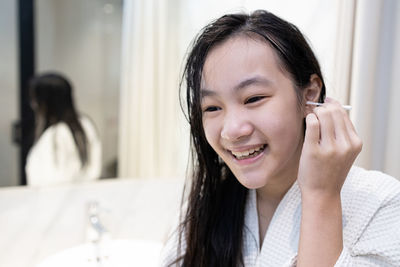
{"type": "Point", "coordinates": [375, 89]}
{"type": "Point", "coordinates": [152, 140]}
{"type": "Point", "coordinates": [355, 41]}
{"type": "Point", "coordinates": [339, 88]}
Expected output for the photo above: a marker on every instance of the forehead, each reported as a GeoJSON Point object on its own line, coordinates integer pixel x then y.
{"type": "Point", "coordinates": [238, 57]}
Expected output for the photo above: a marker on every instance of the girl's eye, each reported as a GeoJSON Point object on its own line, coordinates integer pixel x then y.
{"type": "Point", "coordinates": [254, 99]}
{"type": "Point", "coordinates": [211, 109]}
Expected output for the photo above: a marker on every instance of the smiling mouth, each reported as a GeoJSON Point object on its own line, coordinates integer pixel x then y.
{"type": "Point", "coordinates": [251, 153]}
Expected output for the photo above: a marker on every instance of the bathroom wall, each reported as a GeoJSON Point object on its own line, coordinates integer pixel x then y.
{"type": "Point", "coordinates": [9, 89]}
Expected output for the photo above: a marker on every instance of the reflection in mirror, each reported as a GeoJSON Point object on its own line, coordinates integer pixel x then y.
{"type": "Point", "coordinates": [82, 39]}
{"type": "Point", "coordinates": [66, 145]}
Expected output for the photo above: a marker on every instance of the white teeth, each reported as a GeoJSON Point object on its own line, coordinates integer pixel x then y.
{"type": "Point", "coordinates": [247, 152]}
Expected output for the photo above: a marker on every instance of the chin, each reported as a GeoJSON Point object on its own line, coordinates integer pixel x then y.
{"type": "Point", "coordinates": [252, 182]}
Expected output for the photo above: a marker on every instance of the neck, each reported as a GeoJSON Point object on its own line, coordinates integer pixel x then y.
{"type": "Point", "coordinates": [268, 199]}
{"type": "Point", "coordinates": [273, 193]}
{"type": "Point", "coordinates": [275, 190]}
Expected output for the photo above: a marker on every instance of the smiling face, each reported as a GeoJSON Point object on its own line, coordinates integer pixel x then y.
{"type": "Point", "coordinates": [251, 114]}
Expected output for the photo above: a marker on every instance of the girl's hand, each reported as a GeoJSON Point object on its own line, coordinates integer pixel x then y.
{"type": "Point", "coordinates": [330, 147]}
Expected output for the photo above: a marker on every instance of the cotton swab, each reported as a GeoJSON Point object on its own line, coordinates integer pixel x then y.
{"type": "Point", "coordinates": [346, 107]}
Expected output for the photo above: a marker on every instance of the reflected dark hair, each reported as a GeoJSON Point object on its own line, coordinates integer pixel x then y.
{"type": "Point", "coordinates": [51, 98]}
{"type": "Point", "coordinates": [213, 223]}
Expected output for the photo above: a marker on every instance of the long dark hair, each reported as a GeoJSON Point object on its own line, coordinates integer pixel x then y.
{"type": "Point", "coordinates": [213, 223]}
{"type": "Point", "coordinates": [52, 101]}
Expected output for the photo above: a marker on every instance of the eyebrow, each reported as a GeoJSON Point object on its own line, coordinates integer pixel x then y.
{"type": "Point", "coordinates": [243, 84]}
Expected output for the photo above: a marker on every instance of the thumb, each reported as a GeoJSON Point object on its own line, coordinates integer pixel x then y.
{"type": "Point", "coordinates": [312, 129]}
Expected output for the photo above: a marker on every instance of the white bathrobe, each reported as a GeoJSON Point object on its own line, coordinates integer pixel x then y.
{"type": "Point", "coordinates": [371, 225]}
{"type": "Point", "coordinates": [54, 159]}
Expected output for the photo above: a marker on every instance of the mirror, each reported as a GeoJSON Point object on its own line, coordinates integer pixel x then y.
{"type": "Point", "coordinates": [82, 41]}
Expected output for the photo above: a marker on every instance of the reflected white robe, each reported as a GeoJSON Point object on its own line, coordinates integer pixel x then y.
{"type": "Point", "coordinates": [54, 158]}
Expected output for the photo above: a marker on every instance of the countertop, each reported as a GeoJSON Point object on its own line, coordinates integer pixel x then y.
{"type": "Point", "coordinates": [38, 222]}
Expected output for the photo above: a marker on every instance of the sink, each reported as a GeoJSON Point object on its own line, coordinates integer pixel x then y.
{"type": "Point", "coordinates": [115, 253]}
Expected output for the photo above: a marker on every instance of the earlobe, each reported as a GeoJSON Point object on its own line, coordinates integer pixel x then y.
{"type": "Point", "coordinates": [311, 93]}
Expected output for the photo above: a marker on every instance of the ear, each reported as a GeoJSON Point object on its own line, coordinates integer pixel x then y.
{"type": "Point", "coordinates": [311, 93]}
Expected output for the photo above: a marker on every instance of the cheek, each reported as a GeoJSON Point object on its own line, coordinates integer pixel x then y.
{"type": "Point", "coordinates": [211, 132]}
{"type": "Point", "coordinates": [282, 127]}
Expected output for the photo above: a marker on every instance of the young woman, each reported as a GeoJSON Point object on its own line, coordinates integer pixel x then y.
{"type": "Point", "coordinates": [67, 147]}
{"type": "Point", "coordinates": [273, 182]}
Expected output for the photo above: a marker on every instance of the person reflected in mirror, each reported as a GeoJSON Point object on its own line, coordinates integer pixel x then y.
{"type": "Point", "coordinates": [273, 181]}
{"type": "Point", "coordinates": [67, 146]}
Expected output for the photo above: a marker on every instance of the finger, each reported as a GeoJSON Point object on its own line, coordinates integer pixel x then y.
{"type": "Point", "coordinates": [312, 135]}
{"type": "Point", "coordinates": [351, 129]}
{"type": "Point", "coordinates": [327, 130]}
{"type": "Point", "coordinates": [341, 130]}
{"type": "Point", "coordinates": [345, 131]}
{"type": "Point", "coordinates": [331, 101]}
{"type": "Point", "coordinates": [349, 124]}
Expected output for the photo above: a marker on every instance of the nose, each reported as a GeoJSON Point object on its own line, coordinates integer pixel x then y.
{"type": "Point", "coordinates": [236, 127]}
